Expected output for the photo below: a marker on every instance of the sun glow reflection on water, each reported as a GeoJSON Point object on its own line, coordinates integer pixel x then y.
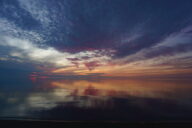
{"type": "Point", "coordinates": [105, 99]}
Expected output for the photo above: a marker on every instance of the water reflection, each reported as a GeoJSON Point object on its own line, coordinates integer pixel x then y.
{"type": "Point", "coordinates": [101, 99]}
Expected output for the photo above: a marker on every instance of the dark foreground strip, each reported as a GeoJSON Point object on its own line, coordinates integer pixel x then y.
{"type": "Point", "coordinates": [95, 124]}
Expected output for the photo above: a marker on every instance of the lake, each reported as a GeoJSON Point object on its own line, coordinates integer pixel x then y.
{"type": "Point", "coordinates": [97, 99]}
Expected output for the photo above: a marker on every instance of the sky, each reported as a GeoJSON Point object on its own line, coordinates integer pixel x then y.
{"type": "Point", "coordinates": [107, 38]}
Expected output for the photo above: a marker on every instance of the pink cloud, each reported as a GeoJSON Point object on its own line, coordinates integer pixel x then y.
{"type": "Point", "coordinates": [91, 65]}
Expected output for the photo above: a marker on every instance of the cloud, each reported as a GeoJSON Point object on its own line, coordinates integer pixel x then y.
{"type": "Point", "coordinates": [174, 45]}
{"type": "Point", "coordinates": [28, 51]}
{"type": "Point", "coordinates": [95, 36]}
{"type": "Point", "coordinates": [13, 12]}
{"type": "Point", "coordinates": [184, 36]}
{"type": "Point", "coordinates": [91, 65]}
{"type": "Point", "coordinates": [38, 10]}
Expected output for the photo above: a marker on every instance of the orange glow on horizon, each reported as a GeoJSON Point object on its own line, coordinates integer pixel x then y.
{"type": "Point", "coordinates": [124, 71]}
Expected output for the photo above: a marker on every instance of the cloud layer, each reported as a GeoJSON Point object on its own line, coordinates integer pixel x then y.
{"type": "Point", "coordinates": [109, 37]}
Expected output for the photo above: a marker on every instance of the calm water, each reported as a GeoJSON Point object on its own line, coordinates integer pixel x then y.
{"type": "Point", "coordinates": [97, 99]}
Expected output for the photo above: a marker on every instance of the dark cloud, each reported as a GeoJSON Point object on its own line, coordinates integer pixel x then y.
{"type": "Point", "coordinates": [101, 24]}
{"type": "Point", "coordinates": [91, 24]}
{"type": "Point", "coordinates": [162, 51]}
{"type": "Point", "coordinates": [92, 65]}
{"type": "Point", "coordinates": [73, 59]}
{"type": "Point", "coordinates": [95, 74]}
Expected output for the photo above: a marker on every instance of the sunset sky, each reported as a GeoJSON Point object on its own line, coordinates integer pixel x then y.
{"type": "Point", "coordinates": [113, 38]}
